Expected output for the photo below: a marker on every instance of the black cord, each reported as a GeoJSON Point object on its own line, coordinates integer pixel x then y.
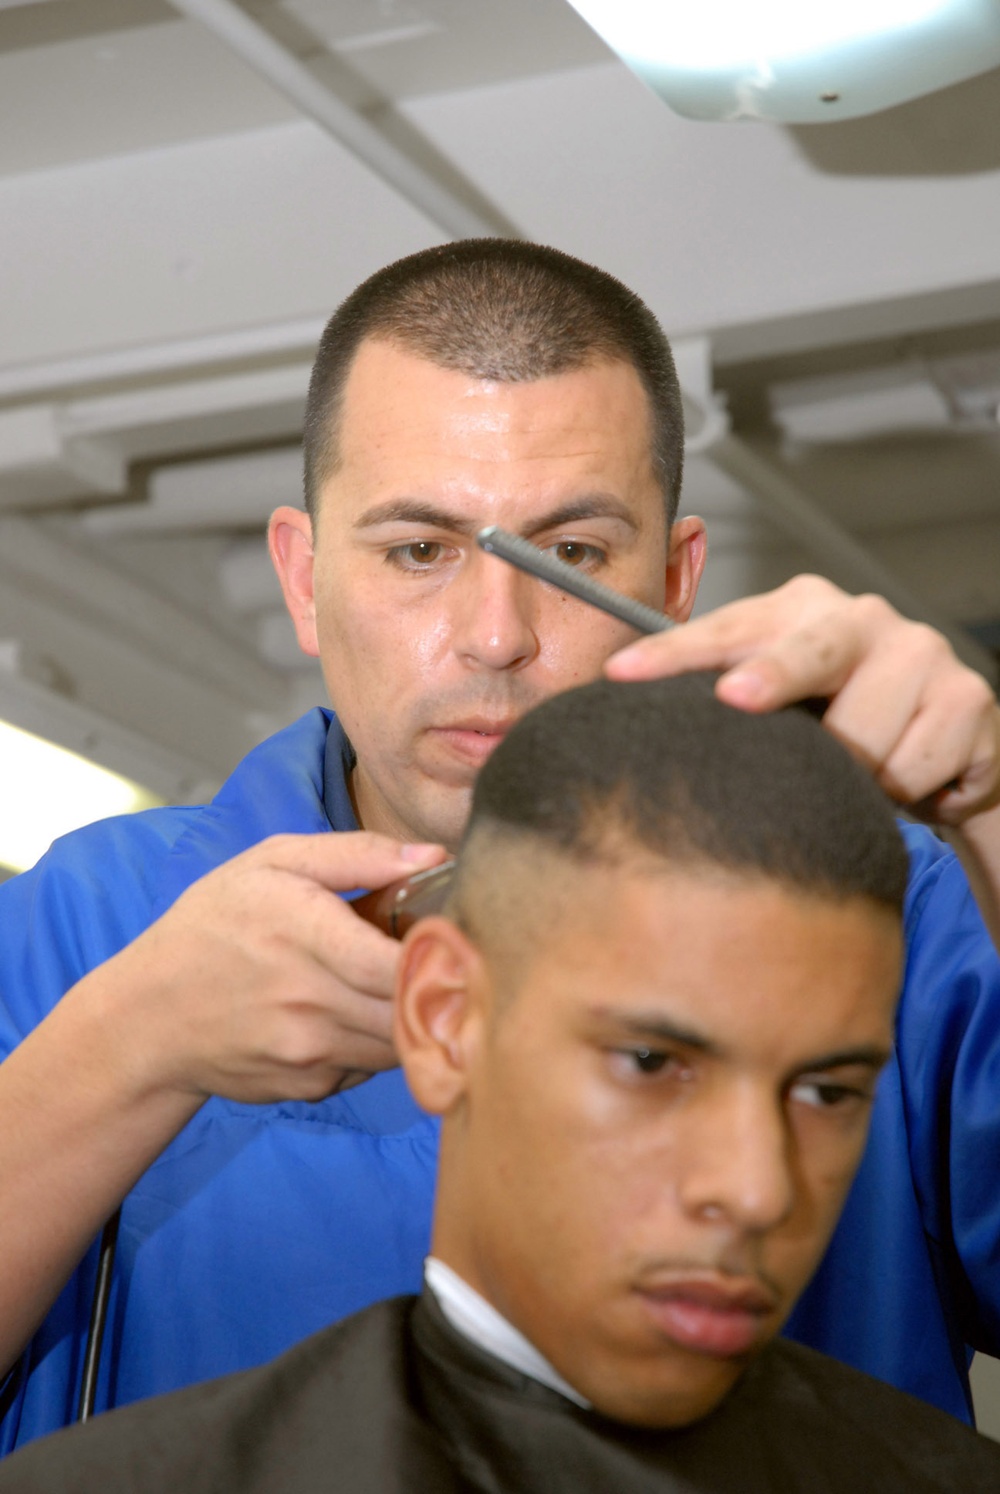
{"type": "Point", "coordinates": [98, 1317]}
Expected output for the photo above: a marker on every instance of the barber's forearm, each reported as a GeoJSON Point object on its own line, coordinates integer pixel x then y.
{"type": "Point", "coordinates": [78, 1125]}
{"type": "Point", "coordinates": [977, 845]}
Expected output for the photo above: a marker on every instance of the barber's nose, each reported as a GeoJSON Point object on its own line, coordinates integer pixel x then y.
{"type": "Point", "coordinates": [496, 623]}
{"type": "Point", "coordinates": [740, 1168]}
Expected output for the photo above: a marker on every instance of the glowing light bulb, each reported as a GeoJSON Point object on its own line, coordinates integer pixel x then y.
{"type": "Point", "coordinates": [46, 791]}
{"type": "Point", "coordinates": [797, 60]}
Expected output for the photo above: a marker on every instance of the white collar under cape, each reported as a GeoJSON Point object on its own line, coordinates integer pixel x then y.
{"type": "Point", "coordinates": [474, 1317]}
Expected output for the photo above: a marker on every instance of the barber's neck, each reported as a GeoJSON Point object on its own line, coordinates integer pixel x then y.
{"type": "Point", "coordinates": [375, 812]}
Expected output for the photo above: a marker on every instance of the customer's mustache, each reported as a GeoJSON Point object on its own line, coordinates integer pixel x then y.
{"type": "Point", "coordinates": [734, 1265]}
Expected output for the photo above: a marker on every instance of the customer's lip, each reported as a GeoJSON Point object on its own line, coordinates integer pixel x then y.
{"type": "Point", "coordinates": [714, 1314]}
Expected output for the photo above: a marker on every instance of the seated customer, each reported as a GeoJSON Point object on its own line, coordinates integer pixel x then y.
{"type": "Point", "coordinates": [652, 1021]}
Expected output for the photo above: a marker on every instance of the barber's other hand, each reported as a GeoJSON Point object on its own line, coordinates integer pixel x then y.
{"type": "Point", "coordinates": [261, 983]}
{"type": "Point", "coordinates": [899, 698]}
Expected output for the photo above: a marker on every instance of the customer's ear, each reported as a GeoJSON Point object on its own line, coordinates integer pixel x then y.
{"type": "Point", "coordinates": [441, 990]}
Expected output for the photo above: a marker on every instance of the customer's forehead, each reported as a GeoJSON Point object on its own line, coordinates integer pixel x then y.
{"type": "Point", "coordinates": [740, 957]}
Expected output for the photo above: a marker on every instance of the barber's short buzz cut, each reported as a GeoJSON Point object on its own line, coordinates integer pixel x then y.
{"type": "Point", "coordinates": [497, 309]}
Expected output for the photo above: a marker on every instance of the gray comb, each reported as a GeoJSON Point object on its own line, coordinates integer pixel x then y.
{"type": "Point", "coordinates": [527, 557]}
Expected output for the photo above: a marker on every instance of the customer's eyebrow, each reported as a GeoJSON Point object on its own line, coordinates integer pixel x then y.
{"type": "Point", "coordinates": [868, 1056]}
{"type": "Point", "coordinates": [574, 510]}
{"type": "Point", "coordinates": [654, 1027]}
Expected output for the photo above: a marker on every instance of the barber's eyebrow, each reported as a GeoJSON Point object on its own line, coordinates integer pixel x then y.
{"type": "Point", "coordinates": [654, 1027]}
{"type": "Point", "coordinates": [574, 510]}
{"type": "Point", "coordinates": [590, 506]}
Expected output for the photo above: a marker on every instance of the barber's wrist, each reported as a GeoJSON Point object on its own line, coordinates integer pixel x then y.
{"type": "Point", "coordinates": [129, 1041]}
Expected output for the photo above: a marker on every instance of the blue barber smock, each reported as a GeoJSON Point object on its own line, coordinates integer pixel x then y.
{"type": "Point", "coordinates": [260, 1224]}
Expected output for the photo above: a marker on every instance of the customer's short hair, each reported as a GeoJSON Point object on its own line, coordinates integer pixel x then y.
{"type": "Point", "coordinates": [612, 770]}
{"type": "Point", "coordinates": [496, 309]}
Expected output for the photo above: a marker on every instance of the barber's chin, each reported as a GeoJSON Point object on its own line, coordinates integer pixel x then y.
{"type": "Point", "coordinates": [442, 798]}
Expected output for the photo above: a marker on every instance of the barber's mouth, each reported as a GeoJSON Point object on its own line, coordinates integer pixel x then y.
{"type": "Point", "coordinates": [474, 742]}
{"type": "Point", "coordinates": [719, 1321]}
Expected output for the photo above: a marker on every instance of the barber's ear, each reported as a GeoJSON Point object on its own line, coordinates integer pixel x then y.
{"type": "Point", "coordinates": [441, 987]}
{"type": "Point", "coordinates": [290, 541]}
{"type": "Point", "coordinates": [685, 564]}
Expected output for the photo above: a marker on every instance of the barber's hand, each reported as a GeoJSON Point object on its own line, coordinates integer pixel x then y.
{"type": "Point", "coordinates": [927, 726]}
{"type": "Point", "coordinates": [260, 983]}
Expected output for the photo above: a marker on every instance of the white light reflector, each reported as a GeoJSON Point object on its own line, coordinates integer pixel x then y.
{"type": "Point", "coordinates": [797, 61]}
{"type": "Point", "coordinates": [46, 791]}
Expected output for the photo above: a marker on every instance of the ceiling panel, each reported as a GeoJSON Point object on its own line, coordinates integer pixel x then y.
{"type": "Point", "coordinates": [409, 47]}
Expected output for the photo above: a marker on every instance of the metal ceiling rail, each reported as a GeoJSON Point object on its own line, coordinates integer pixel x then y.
{"type": "Point", "coordinates": [180, 355]}
{"type": "Point", "coordinates": [259, 49]}
{"type": "Point", "coordinates": [840, 556]}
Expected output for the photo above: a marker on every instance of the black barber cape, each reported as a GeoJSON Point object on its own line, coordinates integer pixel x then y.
{"type": "Point", "coordinates": [394, 1400]}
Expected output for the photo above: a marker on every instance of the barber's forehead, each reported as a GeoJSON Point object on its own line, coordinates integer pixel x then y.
{"type": "Point", "coordinates": [378, 349]}
{"type": "Point", "coordinates": [395, 396]}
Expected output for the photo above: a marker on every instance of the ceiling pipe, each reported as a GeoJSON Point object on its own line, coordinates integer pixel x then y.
{"type": "Point", "coordinates": [839, 555]}
{"type": "Point", "coordinates": [173, 355]}
{"type": "Point", "coordinates": [258, 48]}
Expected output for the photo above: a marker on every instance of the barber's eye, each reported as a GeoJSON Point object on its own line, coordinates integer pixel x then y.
{"type": "Point", "coordinates": [415, 555]}
{"type": "Point", "coordinates": [423, 551]}
{"type": "Point", "coordinates": [573, 552]}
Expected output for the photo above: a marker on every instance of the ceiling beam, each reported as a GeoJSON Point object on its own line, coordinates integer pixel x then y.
{"type": "Point", "coordinates": [68, 579]}
{"type": "Point", "coordinates": [177, 776]}
{"type": "Point", "coordinates": [53, 452]}
{"type": "Point", "coordinates": [259, 49]}
{"type": "Point", "coordinates": [232, 492]}
{"type": "Point", "coordinates": [240, 345]}
{"type": "Point", "coordinates": [85, 676]}
{"type": "Point", "coordinates": [838, 554]}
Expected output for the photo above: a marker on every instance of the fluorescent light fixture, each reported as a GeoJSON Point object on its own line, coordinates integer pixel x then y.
{"type": "Point", "coordinates": [797, 61]}
{"type": "Point", "coordinates": [889, 401]}
{"type": "Point", "coordinates": [218, 493]}
{"type": "Point", "coordinates": [46, 791]}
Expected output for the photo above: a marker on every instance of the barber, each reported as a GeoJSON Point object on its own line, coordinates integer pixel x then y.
{"type": "Point", "coordinates": [186, 999]}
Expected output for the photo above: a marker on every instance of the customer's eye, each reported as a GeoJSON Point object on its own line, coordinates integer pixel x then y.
{"type": "Point", "coordinates": [647, 1060]}
{"type": "Point", "coordinates": [638, 1064]}
{"type": "Point", "coordinates": [825, 1094]}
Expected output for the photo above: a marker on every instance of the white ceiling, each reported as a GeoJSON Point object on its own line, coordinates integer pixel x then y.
{"type": "Point", "coordinates": [174, 230]}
